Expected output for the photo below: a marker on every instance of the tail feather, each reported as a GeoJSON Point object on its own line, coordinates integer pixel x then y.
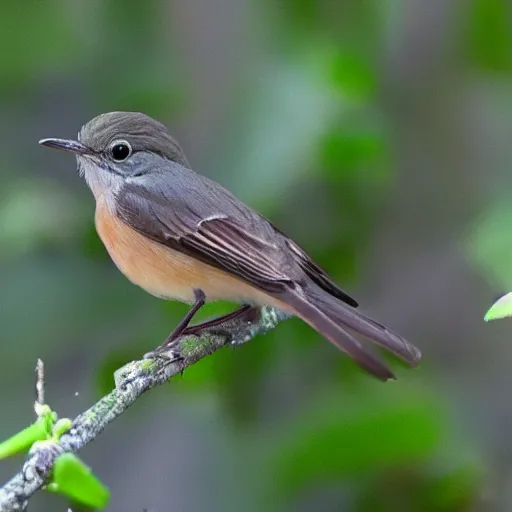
{"type": "Point", "coordinates": [331, 318]}
{"type": "Point", "coordinates": [367, 327]}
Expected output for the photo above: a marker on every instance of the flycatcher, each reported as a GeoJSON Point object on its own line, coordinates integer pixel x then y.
{"type": "Point", "coordinates": [181, 236]}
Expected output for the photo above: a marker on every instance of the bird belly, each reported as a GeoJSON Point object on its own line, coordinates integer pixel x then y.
{"type": "Point", "coordinates": [167, 273]}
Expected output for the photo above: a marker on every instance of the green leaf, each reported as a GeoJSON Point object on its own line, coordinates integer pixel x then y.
{"type": "Point", "coordinates": [61, 427]}
{"type": "Point", "coordinates": [500, 309]}
{"type": "Point", "coordinates": [23, 440]}
{"type": "Point", "coordinates": [73, 479]}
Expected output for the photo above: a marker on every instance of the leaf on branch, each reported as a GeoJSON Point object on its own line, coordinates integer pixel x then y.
{"type": "Point", "coordinates": [502, 308]}
{"type": "Point", "coordinates": [73, 479]}
{"type": "Point", "coordinates": [24, 439]}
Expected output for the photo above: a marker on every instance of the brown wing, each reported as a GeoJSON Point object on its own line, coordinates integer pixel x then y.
{"type": "Point", "coordinates": [223, 244]}
{"type": "Point", "coordinates": [215, 227]}
{"type": "Point", "coordinates": [210, 236]}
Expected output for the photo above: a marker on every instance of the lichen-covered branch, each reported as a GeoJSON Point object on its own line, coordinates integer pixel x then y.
{"type": "Point", "coordinates": [132, 381]}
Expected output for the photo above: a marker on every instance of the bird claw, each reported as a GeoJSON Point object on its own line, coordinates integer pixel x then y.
{"type": "Point", "coordinates": [159, 354]}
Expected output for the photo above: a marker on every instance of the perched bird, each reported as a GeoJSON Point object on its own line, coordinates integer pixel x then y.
{"type": "Point", "coordinates": [179, 235]}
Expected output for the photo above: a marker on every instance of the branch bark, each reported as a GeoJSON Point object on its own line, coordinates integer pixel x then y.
{"type": "Point", "coordinates": [131, 382]}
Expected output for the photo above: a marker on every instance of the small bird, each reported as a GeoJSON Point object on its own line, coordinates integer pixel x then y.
{"type": "Point", "coordinates": [180, 235]}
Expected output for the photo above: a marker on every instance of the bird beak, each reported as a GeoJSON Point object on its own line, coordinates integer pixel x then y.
{"type": "Point", "coordinates": [72, 146]}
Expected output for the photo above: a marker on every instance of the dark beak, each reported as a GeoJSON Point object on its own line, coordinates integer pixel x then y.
{"type": "Point", "coordinates": [72, 146]}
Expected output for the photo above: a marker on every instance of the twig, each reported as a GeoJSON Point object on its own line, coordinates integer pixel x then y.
{"type": "Point", "coordinates": [40, 382]}
{"type": "Point", "coordinates": [131, 381]}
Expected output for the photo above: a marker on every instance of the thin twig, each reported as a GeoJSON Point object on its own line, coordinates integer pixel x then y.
{"type": "Point", "coordinates": [132, 381]}
{"type": "Point", "coordinates": [40, 382]}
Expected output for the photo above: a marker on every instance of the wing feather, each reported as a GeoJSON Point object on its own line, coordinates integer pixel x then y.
{"type": "Point", "coordinates": [217, 240]}
{"type": "Point", "coordinates": [235, 239]}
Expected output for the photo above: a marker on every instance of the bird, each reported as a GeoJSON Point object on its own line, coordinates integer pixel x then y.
{"type": "Point", "coordinates": [181, 236]}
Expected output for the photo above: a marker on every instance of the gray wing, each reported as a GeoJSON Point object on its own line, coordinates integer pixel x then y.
{"type": "Point", "coordinates": [191, 214]}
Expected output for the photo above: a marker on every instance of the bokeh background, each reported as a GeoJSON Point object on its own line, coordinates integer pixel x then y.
{"type": "Point", "coordinates": [377, 133]}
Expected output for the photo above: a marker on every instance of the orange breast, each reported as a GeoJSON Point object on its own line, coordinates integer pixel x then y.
{"type": "Point", "coordinates": [167, 273]}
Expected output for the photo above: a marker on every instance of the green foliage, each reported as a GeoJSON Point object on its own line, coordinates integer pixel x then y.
{"type": "Point", "coordinates": [490, 35]}
{"type": "Point", "coordinates": [411, 489]}
{"type": "Point", "coordinates": [500, 309]}
{"type": "Point", "coordinates": [73, 479]}
{"type": "Point", "coordinates": [371, 432]}
{"type": "Point", "coordinates": [24, 439]}
{"type": "Point", "coordinates": [352, 76]}
{"type": "Point", "coordinates": [387, 442]}
{"type": "Point", "coordinates": [455, 490]}
{"type": "Point", "coordinates": [70, 476]}
{"type": "Point", "coordinates": [33, 49]}
{"type": "Point", "coordinates": [354, 151]}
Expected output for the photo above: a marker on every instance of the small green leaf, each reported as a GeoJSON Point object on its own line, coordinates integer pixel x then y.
{"type": "Point", "coordinates": [23, 440]}
{"type": "Point", "coordinates": [73, 479]}
{"type": "Point", "coordinates": [61, 427]}
{"type": "Point", "coordinates": [500, 309]}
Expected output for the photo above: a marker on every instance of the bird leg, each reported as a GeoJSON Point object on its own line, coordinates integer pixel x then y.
{"type": "Point", "coordinates": [183, 328]}
{"type": "Point", "coordinates": [195, 329]}
{"type": "Point", "coordinates": [178, 330]}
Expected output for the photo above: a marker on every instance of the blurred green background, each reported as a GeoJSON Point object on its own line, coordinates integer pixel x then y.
{"type": "Point", "coordinates": [377, 133]}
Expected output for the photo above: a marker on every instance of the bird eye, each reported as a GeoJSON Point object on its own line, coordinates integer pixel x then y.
{"type": "Point", "coordinates": [120, 150]}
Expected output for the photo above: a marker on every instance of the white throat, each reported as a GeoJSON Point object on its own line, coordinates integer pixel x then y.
{"type": "Point", "coordinates": [103, 184]}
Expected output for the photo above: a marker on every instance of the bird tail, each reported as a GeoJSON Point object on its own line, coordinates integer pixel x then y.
{"type": "Point", "coordinates": [333, 319]}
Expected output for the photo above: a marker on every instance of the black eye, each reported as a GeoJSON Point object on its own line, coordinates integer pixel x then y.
{"type": "Point", "coordinates": [120, 150]}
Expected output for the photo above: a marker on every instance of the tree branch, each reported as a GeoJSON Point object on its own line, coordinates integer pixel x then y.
{"type": "Point", "coordinates": [131, 381]}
